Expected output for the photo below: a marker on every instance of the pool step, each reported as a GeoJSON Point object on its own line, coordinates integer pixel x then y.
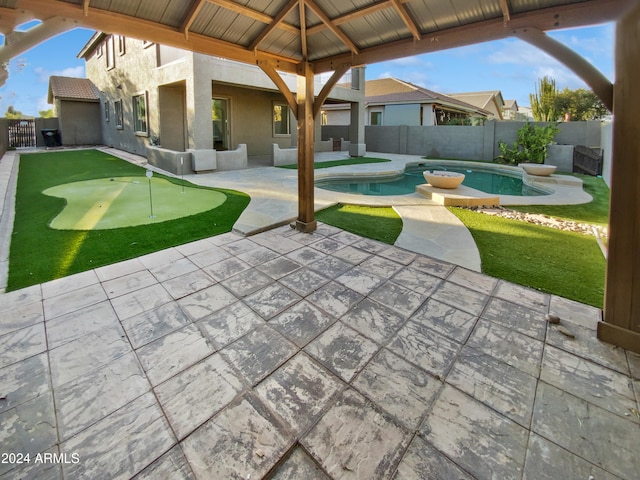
{"type": "Point", "coordinates": [461, 196]}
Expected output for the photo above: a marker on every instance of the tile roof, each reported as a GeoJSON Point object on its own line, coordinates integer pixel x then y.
{"type": "Point", "coordinates": [69, 88]}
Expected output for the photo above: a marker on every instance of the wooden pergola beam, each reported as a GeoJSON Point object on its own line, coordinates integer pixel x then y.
{"type": "Point", "coordinates": [275, 77]}
{"type": "Point", "coordinates": [85, 7]}
{"type": "Point", "coordinates": [303, 32]}
{"type": "Point", "coordinates": [306, 131]}
{"type": "Point", "coordinates": [126, 25]}
{"type": "Point", "coordinates": [326, 89]}
{"type": "Point", "coordinates": [406, 18]}
{"type": "Point", "coordinates": [600, 85]}
{"type": "Point", "coordinates": [354, 15]}
{"type": "Point", "coordinates": [329, 23]}
{"type": "Point", "coordinates": [32, 37]}
{"type": "Point", "coordinates": [191, 16]}
{"type": "Point", "coordinates": [566, 16]}
{"type": "Point", "coordinates": [621, 324]}
{"type": "Point", "coordinates": [249, 12]}
{"type": "Point", "coordinates": [506, 13]}
{"type": "Point", "coordinates": [274, 24]}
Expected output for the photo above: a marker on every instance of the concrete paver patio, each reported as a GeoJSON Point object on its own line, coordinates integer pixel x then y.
{"type": "Point", "coordinates": [308, 356]}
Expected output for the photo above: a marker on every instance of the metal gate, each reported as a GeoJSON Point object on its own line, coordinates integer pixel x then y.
{"type": "Point", "coordinates": [22, 133]}
{"type": "Point", "coordinates": [587, 161]}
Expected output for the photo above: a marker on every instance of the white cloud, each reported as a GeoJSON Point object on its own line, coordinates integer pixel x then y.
{"type": "Point", "coordinates": [519, 53]}
{"type": "Point", "coordinates": [43, 75]}
{"type": "Point", "coordinates": [42, 103]}
{"type": "Point", "coordinates": [528, 63]}
{"type": "Point", "coordinates": [412, 62]}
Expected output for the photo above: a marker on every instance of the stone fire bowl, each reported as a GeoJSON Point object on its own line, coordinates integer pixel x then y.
{"type": "Point", "coordinates": [443, 179]}
{"type": "Point", "coordinates": [539, 169]}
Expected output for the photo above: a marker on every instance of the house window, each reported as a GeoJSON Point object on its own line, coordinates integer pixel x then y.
{"type": "Point", "coordinates": [106, 111]}
{"type": "Point", "coordinates": [117, 105]}
{"type": "Point", "coordinates": [111, 58]}
{"type": "Point", "coordinates": [99, 51]}
{"type": "Point", "coordinates": [324, 119]}
{"type": "Point", "coordinates": [120, 43]}
{"type": "Point", "coordinates": [375, 118]}
{"type": "Point", "coordinates": [281, 120]}
{"type": "Point", "coordinates": [140, 114]}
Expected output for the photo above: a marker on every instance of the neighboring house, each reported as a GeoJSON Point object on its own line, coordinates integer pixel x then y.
{"type": "Point", "coordinates": [524, 114]}
{"type": "Point", "coordinates": [76, 103]}
{"type": "Point", "coordinates": [390, 101]}
{"type": "Point", "coordinates": [184, 101]}
{"type": "Point", "coordinates": [510, 110]}
{"type": "Point", "coordinates": [491, 101]}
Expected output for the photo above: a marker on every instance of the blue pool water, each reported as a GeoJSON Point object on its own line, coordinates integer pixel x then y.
{"type": "Point", "coordinates": [485, 180]}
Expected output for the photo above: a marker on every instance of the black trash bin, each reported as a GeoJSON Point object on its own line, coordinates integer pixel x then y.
{"type": "Point", "coordinates": [51, 137]}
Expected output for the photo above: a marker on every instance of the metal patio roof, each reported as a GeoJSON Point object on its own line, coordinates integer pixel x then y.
{"type": "Point", "coordinates": [326, 33]}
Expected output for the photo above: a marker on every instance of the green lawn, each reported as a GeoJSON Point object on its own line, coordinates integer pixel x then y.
{"type": "Point", "coordinates": [337, 163]}
{"type": "Point", "coordinates": [378, 223]}
{"type": "Point", "coordinates": [40, 253]}
{"type": "Point", "coordinates": [563, 263]}
{"type": "Point", "coordinates": [567, 264]}
{"type": "Point", "coordinates": [596, 211]}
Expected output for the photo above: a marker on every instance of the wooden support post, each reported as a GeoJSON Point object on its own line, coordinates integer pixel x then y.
{"type": "Point", "coordinates": [306, 121]}
{"type": "Point", "coordinates": [621, 324]}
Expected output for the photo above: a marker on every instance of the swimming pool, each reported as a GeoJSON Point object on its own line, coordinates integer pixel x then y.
{"type": "Point", "coordinates": [485, 179]}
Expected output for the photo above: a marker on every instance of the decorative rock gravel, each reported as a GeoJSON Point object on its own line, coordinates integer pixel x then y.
{"type": "Point", "coordinates": [544, 220]}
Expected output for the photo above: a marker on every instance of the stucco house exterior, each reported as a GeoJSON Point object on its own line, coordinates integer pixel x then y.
{"type": "Point", "coordinates": [510, 110]}
{"type": "Point", "coordinates": [391, 101]}
{"type": "Point", "coordinates": [164, 103]}
{"type": "Point", "coordinates": [76, 103]}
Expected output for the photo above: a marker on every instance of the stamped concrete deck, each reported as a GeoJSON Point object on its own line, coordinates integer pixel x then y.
{"type": "Point", "coordinates": [308, 356]}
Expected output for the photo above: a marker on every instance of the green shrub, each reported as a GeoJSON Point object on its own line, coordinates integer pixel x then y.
{"type": "Point", "coordinates": [530, 146]}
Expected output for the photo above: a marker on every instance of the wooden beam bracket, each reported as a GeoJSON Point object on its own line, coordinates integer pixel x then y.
{"type": "Point", "coordinates": [275, 77]}
{"type": "Point", "coordinates": [600, 84]}
{"type": "Point", "coordinates": [326, 89]}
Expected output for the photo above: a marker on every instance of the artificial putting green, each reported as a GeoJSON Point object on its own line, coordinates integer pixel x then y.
{"type": "Point", "coordinates": [40, 253]}
{"type": "Point", "coordinates": [118, 202]}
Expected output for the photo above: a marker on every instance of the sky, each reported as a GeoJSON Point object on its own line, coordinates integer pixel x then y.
{"type": "Point", "coordinates": [511, 66]}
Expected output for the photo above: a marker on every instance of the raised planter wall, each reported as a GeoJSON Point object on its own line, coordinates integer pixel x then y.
{"type": "Point", "coordinates": [169, 160]}
{"type": "Point", "coordinates": [232, 159]}
{"type": "Point", "coordinates": [283, 156]}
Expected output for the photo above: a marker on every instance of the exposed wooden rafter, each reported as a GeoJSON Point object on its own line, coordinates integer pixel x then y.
{"type": "Point", "coordinates": [354, 15]}
{"type": "Point", "coordinates": [303, 32]}
{"type": "Point", "coordinates": [191, 16]}
{"type": "Point", "coordinates": [85, 7]}
{"type": "Point", "coordinates": [329, 23]}
{"type": "Point", "coordinates": [406, 18]}
{"type": "Point", "coordinates": [544, 19]}
{"type": "Point", "coordinates": [274, 24]}
{"type": "Point", "coordinates": [566, 16]}
{"type": "Point", "coordinates": [10, 18]}
{"type": "Point", "coordinates": [16, 43]}
{"type": "Point", "coordinates": [103, 20]}
{"type": "Point", "coordinates": [506, 13]}
{"type": "Point", "coordinates": [249, 12]}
